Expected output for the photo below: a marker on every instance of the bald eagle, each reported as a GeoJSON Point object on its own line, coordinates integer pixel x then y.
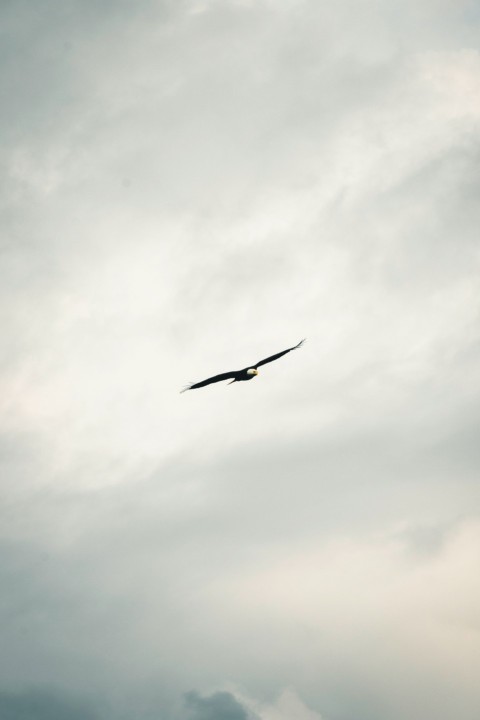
{"type": "Point", "coordinates": [238, 375]}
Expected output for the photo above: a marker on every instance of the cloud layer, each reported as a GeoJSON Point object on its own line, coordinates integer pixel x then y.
{"type": "Point", "coordinates": [188, 187]}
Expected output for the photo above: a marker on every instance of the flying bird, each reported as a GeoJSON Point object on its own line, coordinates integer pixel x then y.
{"type": "Point", "coordinates": [238, 375]}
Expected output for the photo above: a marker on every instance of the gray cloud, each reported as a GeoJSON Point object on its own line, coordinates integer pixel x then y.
{"type": "Point", "coordinates": [39, 705]}
{"type": "Point", "coordinates": [218, 706]}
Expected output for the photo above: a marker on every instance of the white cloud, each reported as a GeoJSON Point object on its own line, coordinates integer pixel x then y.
{"type": "Point", "coordinates": [391, 620]}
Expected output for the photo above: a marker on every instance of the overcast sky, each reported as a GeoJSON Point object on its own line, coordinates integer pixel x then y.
{"type": "Point", "coordinates": [189, 186]}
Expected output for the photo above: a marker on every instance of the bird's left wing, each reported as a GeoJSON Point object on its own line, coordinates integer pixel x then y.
{"type": "Point", "coordinates": [214, 379]}
{"type": "Point", "coordinates": [278, 355]}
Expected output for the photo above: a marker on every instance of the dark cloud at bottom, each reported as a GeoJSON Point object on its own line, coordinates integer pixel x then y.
{"type": "Point", "coordinates": [219, 706]}
{"type": "Point", "coordinates": [42, 705]}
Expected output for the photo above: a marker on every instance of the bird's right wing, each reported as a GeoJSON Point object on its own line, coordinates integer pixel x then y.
{"type": "Point", "coordinates": [278, 355]}
{"type": "Point", "coordinates": [208, 381]}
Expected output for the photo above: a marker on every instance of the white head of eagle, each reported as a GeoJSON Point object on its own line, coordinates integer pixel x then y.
{"type": "Point", "coordinates": [252, 371]}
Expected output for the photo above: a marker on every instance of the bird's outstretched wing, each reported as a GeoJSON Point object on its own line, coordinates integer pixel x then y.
{"type": "Point", "coordinates": [278, 355]}
{"type": "Point", "coordinates": [214, 379]}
